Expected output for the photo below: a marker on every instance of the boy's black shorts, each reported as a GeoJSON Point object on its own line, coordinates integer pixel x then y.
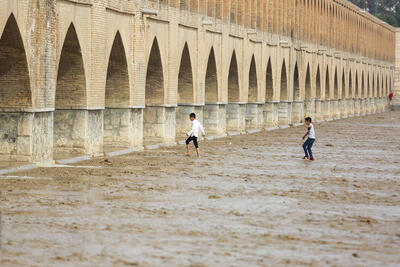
{"type": "Point", "coordinates": [194, 139]}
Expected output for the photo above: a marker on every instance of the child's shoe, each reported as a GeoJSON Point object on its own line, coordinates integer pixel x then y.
{"type": "Point", "coordinates": [306, 157]}
{"type": "Point", "coordinates": [312, 159]}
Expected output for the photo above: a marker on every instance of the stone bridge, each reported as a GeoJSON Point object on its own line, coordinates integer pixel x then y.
{"type": "Point", "coordinates": [86, 76]}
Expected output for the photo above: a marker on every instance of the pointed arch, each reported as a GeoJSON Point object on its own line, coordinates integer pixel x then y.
{"type": "Point", "coordinates": [233, 80]}
{"type": "Point", "coordinates": [269, 85]}
{"type": "Point", "coordinates": [154, 92]}
{"type": "Point", "coordinates": [15, 91]}
{"type": "Point", "coordinates": [336, 85]}
{"type": "Point", "coordinates": [327, 85]}
{"type": "Point", "coordinates": [253, 85]}
{"type": "Point", "coordinates": [378, 87]}
{"type": "Point", "coordinates": [307, 93]}
{"type": "Point", "coordinates": [373, 87]}
{"type": "Point", "coordinates": [71, 80]}
{"type": "Point", "coordinates": [318, 83]}
{"type": "Point", "coordinates": [211, 83]}
{"type": "Point", "coordinates": [284, 83]}
{"type": "Point", "coordinates": [296, 83]}
{"type": "Point", "coordinates": [357, 91]}
{"type": "Point", "coordinates": [363, 86]}
{"type": "Point", "coordinates": [343, 96]}
{"type": "Point", "coordinates": [117, 82]}
{"type": "Point", "coordinates": [185, 78]}
{"type": "Point", "coordinates": [351, 89]}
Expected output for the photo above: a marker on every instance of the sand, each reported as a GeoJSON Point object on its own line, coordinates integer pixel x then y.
{"type": "Point", "coordinates": [252, 203]}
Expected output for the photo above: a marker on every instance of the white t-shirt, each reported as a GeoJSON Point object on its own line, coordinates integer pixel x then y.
{"type": "Point", "coordinates": [196, 126]}
{"type": "Point", "coordinates": [312, 131]}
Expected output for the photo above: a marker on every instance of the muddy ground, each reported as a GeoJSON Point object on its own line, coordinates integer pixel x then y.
{"type": "Point", "coordinates": [254, 202]}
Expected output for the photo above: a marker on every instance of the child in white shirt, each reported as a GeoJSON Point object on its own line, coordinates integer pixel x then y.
{"type": "Point", "coordinates": [194, 134]}
{"type": "Point", "coordinates": [310, 140]}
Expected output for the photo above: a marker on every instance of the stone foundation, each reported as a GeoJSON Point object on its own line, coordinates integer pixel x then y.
{"type": "Point", "coordinates": [270, 115]}
{"type": "Point", "coordinates": [318, 110]}
{"type": "Point", "coordinates": [297, 112]}
{"type": "Point", "coordinates": [214, 119]}
{"type": "Point", "coordinates": [123, 127]}
{"type": "Point", "coordinates": [309, 108]}
{"type": "Point", "coordinates": [284, 113]}
{"type": "Point", "coordinates": [236, 117]}
{"type": "Point", "coordinates": [159, 124]}
{"type": "Point", "coordinates": [78, 131]}
{"type": "Point", "coordinates": [254, 116]}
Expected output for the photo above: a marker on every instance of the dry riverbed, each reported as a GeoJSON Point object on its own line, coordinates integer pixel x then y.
{"type": "Point", "coordinates": [254, 202]}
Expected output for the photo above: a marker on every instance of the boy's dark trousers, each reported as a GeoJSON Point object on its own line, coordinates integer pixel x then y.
{"type": "Point", "coordinates": [307, 147]}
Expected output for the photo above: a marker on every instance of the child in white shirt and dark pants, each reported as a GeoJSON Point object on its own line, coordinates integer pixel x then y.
{"type": "Point", "coordinates": [194, 134]}
{"type": "Point", "coordinates": [310, 140]}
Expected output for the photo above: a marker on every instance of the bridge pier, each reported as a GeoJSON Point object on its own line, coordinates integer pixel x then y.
{"type": "Point", "coordinates": [214, 119]}
{"type": "Point", "coordinates": [309, 108]}
{"type": "Point", "coordinates": [123, 127]}
{"type": "Point", "coordinates": [297, 111]}
{"type": "Point", "coordinates": [326, 107]}
{"type": "Point", "coordinates": [78, 131]}
{"type": "Point", "coordinates": [254, 116]}
{"type": "Point", "coordinates": [318, 110]}
{"type": "Point", "coordinates": [159, 125]}
{"type": "Point", "coordinates": [236, 118]}
{"type": "Point", "coordinates": [270, 114]}
{"type": "Point", "coordinates": [342, 106]}
{"type": "Point", "coordinates": [284, 113]}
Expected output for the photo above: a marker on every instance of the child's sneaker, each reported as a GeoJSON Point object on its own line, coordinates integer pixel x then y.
{"type": "Point", "coordinates": [312, 159]}
{"type": "Point", "coordinates": [306, 157]}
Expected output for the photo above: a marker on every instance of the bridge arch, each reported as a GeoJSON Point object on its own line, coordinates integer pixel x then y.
{"type": "Point", "coordinates": [211, 79]}
{"type": "Point", "coordinates": [185, 78]}
{"type": "Point", "coordinates": [253, 83]}
{"type": "Point", "coordinates": [117, 92]}
{"type": "Point", "coordinates": [307, 86]}
{"type": "Point", "coordinates": [327, 85]}
{"type": "Point", "coordinates": [233, 80]}
{"type": "Point", "coordinates": [284, 83]}
{"type": "Point", "coordinates": [343, 91]}
{"type": "Point", "coordinates": [318, 81]}
{"type": "Point", "coordinates": [15, 88]}
{"type": "Point", "coordinates": [296, 83]}
{"type": "Point", "coordinates": [269, 82]}
{"type": "Point", "coordinates": [336, 85]}
{"type": "Point", "coordinates": [154, 90]}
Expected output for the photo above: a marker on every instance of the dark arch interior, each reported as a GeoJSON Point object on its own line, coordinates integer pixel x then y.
{"type": "Point", "coordinates": [318, 84]}
{"type": "Point", "coordinates": [327, 85]}
{"type": "Point", "coordinates": [211, 85]}
{"type": "Point", "coordinates": [117, 84]}
{"type": "Point", "coordinates": [233, 81]}
{"type": "Point", "coordinates": [296, 83]}
{"type": "Point", "coordinates": [284, 91]}
{"type": "Point", "coordinates": [154, 77]}
{"type": "Point", "coordinates": [308, 84]}
{"type": "Point", "coordinates": [253, 81]}
{"type": "Point", "coordinates": [15, 90]}
{"type": "Point", "coordinates": [269, 90]}
{"type": "Point", "coordinates": [71, 82]}
{"type": "Point", "coordinates": [185, 79]}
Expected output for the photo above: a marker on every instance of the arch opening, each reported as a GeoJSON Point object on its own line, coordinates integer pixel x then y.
{"type": "Point", "coordinates": [15, 92]}
{"type": "Point", "coordinates": [318, 84]}
{"type": "Point", "coordinates": [269, 85]}
{"type": "Point", "coordinates": [185, 78]}
{"type": "Point", "coordinates": [154, 92]}
{"type": "Point", "coordinates": [211, 84]}
{"type": "Point", "coordinates": [296, 83]}
{"type": "Point", "coordinates": [154, 115]}
{"type": "Point", "coordinates": [233, 81]}
{"type": "Point", "coordinates": [336, 86]}
{"type": "Point", "coordinates": [284, 84]}
{"type": "Point", "coordinates": [307, 94]}
{"type": "Point", "coordinates": [343, 96]}
{"type": "Point", "coordinates": [117, 113]}
{"type": "Point", "coordinates": [327, 85]}
{"type": "Point", "coordinates": [253, 85]}
{"type": "Point", "coordinates": [70, 98]}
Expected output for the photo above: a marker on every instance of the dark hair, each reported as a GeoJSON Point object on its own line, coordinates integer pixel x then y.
{"type": "Point", "coordinates": [308, 119]}
{"type": "Point", "coordinates": [192, 115]}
